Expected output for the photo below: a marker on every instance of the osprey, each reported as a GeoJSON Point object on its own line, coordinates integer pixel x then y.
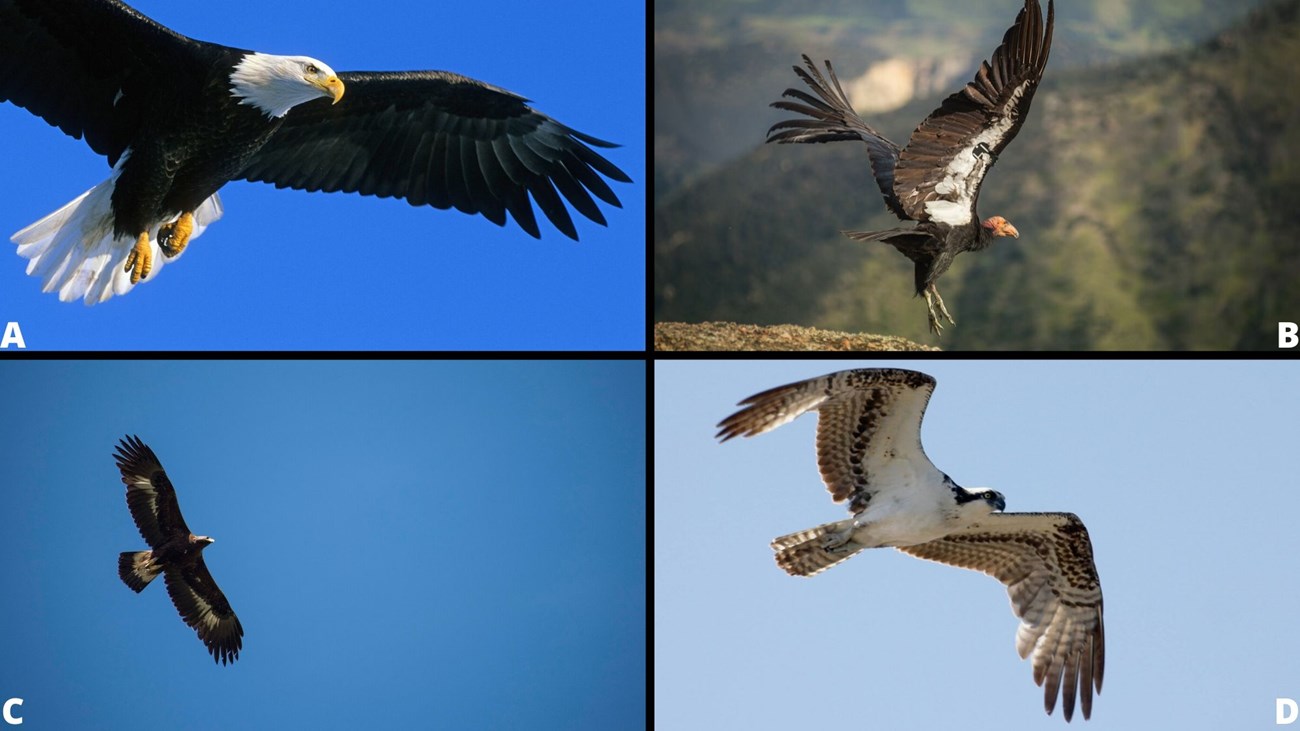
{"type": "Point", "coordinates": [178, 118]}
{"type": "Point", "coordinates": [870, 455]}
{"type": "Point", "coordinates": [935, 180]}
{"type": "Point", "coordinates": [176, 553]}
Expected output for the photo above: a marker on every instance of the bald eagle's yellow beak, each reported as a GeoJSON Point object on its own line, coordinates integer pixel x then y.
{"type": "Point", "coordinates": [332, 87]}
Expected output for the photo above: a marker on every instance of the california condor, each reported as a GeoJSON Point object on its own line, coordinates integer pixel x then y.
{"type": "Point", "coordinates": [936, 179]}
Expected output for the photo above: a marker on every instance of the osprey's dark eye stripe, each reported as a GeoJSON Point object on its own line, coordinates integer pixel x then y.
{"type": "Point", "coordinates": [1044, 559]}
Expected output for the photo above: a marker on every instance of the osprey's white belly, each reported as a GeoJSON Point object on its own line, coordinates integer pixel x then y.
{"type": "Point", "coordinates": [917, 508]}
{"type": "Point", "coordinates": [899, 528]}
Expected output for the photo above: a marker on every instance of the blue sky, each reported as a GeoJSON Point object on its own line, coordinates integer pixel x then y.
{"type": "Point", "coordinates": [407, 545]}
{"type": "Point", "coordinates": [1184, 473]}
{"type": "Point", "coordinates": [350, 272]}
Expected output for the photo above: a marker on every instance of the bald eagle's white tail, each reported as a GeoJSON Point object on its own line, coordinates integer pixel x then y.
{"type": "Point", "coordinates": [137, 569]}
{"type": "Point", "coordinates": [811, 552]}
{"type": "Point", "coordinates": [75, 253]}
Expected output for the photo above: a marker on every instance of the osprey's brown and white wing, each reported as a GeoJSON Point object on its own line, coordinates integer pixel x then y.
{"type": "Point", "coordinates": [869, 433]}
{"type": "Point", "coordinates": [1045, 560]}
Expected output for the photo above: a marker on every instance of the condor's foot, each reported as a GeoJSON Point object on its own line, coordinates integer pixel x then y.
{"type": "Point", "coordinates": [140, 261]}
{"type": "Point", "coordinates": [932, 299]}
{"type": "Point", "coordinates": [173, 237]}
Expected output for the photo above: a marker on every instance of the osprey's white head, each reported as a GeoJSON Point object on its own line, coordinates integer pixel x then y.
{"type": "Point", "coordinates": [979, 502]}
{"type": "Point", "coordinates": [276, 84]}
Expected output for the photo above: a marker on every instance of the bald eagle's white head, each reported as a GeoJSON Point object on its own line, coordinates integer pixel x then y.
{"type": "Point", "coordinates": [276, 84]}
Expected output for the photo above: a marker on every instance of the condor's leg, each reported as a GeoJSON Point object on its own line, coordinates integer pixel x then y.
{"type": "Point", "coordinates": [140, 261]}
{"type": "Point", "coordinates": [932, 299]}
{"type": "Point", "coordinates": [173, 237]}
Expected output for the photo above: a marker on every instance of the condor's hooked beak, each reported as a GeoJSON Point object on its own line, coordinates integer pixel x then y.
{"type": "Point", "coordinates": [999, 226]}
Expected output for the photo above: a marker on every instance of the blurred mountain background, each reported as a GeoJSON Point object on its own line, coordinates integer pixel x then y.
{"type": "Point", "coordinates": [1154, 183]}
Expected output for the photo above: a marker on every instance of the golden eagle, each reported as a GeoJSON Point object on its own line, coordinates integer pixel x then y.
{"type": "Point", "coordinates": [176, 553]}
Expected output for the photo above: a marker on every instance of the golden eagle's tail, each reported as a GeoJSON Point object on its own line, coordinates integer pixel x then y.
{"type": "Point", "coordinates": [137, 569]}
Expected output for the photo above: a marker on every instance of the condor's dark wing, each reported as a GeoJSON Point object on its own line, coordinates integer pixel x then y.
{"type": "Point", "coordinates": [149, 493]}
{"type": "Point", "coordinates": [204, 607]}
{"type": "Point", "coordinates": [940, 171]}
{"type": "Point", "coordinates": [832, 119]}
{"type": "Point", "coordinates": [440, 139]}
{"type": "Point", "coordinates": [93, 68]}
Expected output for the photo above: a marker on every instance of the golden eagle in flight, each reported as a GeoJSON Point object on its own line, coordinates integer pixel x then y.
{"type": "Point", "coordinates": [176, 553]}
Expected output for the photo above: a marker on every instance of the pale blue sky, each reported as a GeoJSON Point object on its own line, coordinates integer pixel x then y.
{"type": "Point", "coordinates": [410, 545]}
{"type": "Point", "coordinates": [1185, 474]}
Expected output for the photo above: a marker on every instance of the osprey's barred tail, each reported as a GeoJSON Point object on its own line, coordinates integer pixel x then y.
{"type": "Point", "coordinates": [806, 553]}
{"type": "Point", "coordinates": [137, 569]}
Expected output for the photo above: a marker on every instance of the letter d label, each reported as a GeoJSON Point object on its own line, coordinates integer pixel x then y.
{"type": "Point", "coordinates": [1287, 711]}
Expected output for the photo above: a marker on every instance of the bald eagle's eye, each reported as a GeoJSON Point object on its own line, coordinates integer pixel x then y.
{"type": "Point", "coordinates": [311, 69]}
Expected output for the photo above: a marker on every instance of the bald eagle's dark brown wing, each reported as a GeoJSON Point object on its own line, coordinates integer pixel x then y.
{"type": "Point", "coordinates": [1045, 560]}
{"type": "Point", "coordinates": [440, 139]}
{"type": "Point", "coordinates": [204, 607]}
{"type": "Point", "coordinates": [149, 493]}
{"type": "Point", "coordinates": [939, 173]}
{"type": "Point", "coordinates": [94, 68]}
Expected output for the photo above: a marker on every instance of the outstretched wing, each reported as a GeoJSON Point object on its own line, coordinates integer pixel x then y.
{"type": "Point", "coordinates": [869, 433]}
{"type": "Point", "coordinates": [939, 173]}
{"type": "Point", "coordinates": [832, 119]}
{"type": "Point", "coordinates": [91, 67]}
{"type": "Point", "coordinates": [149, 493]}
{"type": "Point", "coordinates": [1045, 560]}
{"type": "Point", "coordinates": [204, 607]}
{"type": "Point", "coordinates": [440, 139]}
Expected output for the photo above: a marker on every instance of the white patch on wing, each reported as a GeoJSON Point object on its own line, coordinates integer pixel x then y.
{"type": "Point", "coordinates": [953, 213]}
{"type": "Point", "coordinates": [965, 171]}
{"type": "Point", "coordinates": [76, 253]}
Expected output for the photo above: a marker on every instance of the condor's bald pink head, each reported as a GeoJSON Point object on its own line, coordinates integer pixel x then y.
{"type": "Point", "coordinates": [999, 226]}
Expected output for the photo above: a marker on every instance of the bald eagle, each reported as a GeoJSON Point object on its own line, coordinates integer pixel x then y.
{"type": "Point", "coordinates": [176, 553]}
{"type": "Point", "coordinates": [177, 118]}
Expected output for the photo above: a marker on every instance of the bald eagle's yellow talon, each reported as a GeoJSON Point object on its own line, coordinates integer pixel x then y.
{"type": "Point", "coordinates": [173, 237]}
{"type": "Point", "coordinates": [140, 261]}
